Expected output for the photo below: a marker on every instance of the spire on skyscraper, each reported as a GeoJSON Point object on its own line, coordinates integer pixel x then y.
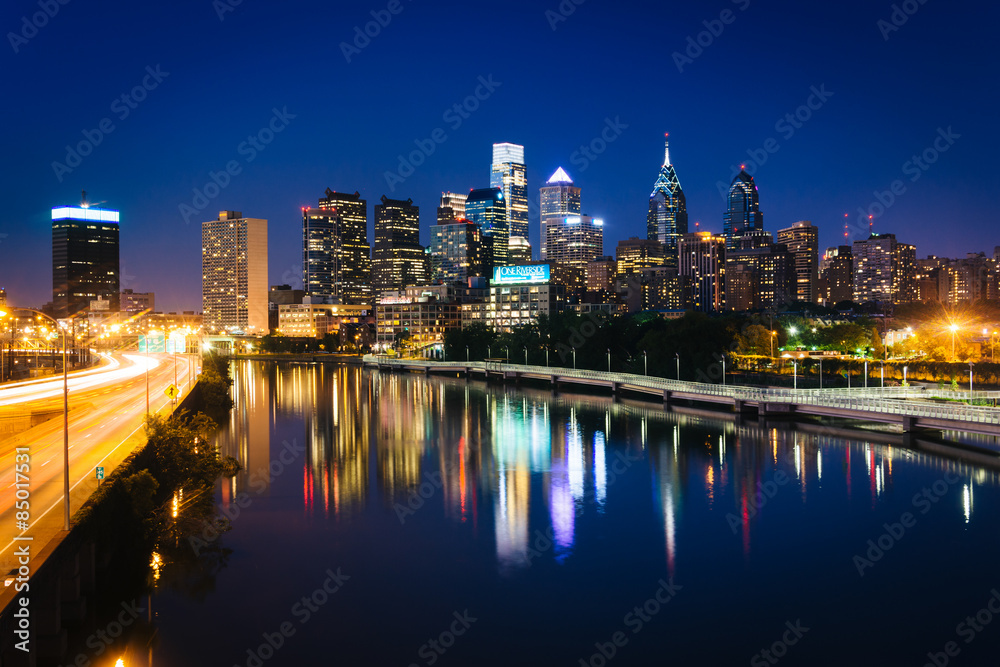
{"type": "Point", "coordinates": [666, 149]}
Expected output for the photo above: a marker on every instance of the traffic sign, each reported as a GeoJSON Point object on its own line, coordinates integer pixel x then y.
{"type": "Point", "coordinates": [100, 472]}
{"type": "Point", "coordinates": [172, 392]}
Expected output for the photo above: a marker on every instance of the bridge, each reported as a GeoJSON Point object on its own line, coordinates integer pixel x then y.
{"type": "Point", "coordinates": [909, 408]}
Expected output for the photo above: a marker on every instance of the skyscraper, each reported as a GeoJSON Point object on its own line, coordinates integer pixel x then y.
{"type": "Point", "coordinates": [487, 208]}
{"type": "Point", "coordinates": [451, 208]}
{"type": "Point", "coordinates": [802, 239]}
{"type": "Point", "coordinates": [742, 214]}
{"type": "Point", "coordinates": [570, 244]}
{"type": "Point", "coordinates": [234, 273]}
{"type": "Point", "coordinates": [839, 274]}
{"type": "Point", "coordinates": [336, 257]}
{"type": "Point", "coordinates": [558, 198]}
{"type": "Point", "coordinates": [457, 252]}
{"type": "Point", "coordinates": [509, 173]}
{"type": "Point", "coordinates": [702, 257]}
{"type": "Point", "coordinates": [634, 254]}
{"type": "Point", "coordinates": [85, 263]}
{"type": "Point", "coordinates": [667, 219]}
{"type": "Point", "coordinates": [884, 270]}
{"type": "Point", "coordinates": [760, 274]}
{"type": "Point", "coordinates": [398, 260]}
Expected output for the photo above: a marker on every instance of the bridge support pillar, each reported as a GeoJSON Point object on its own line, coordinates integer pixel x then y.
{"type": "Point", "coordinates": [909, 424]}
{"type": "Point", "coordinates": [666, 397]}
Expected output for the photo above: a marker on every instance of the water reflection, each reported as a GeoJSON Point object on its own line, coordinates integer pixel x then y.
{"type": "Point", "coordinates": [373, 441]}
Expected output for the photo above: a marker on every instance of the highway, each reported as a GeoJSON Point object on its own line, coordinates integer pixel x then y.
{"type": "Point", "coordinates": [107, 408]}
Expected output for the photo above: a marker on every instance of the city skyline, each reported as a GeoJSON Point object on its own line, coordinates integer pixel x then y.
{"type": "Point", "coordinates": [824, 137]}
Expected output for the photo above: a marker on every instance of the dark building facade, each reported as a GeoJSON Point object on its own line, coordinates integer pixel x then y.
{"type": "Point", "coordinates": [336, 257]}
{"type": "Point", "coordinates": [85, 258]}
{"type": "Point", "coordinates": [486, 207]}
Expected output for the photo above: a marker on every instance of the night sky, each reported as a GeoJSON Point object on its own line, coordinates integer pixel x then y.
{"type": "Point", "coordinates": [887, 94]}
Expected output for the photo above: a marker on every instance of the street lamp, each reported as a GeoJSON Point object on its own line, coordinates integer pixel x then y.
{"type": "Point", "coordinates": [574, 357]}
{"type": "Point", "coordinates": [866, 373]}
{"type": "Point", "coordinates": [954, 328]}
{"type": "Point", "coordinates": [904, 375]}
{"type": "Point", "coordinates": [795, 374]}
{"type": "Point", "coordinates": [970, 383]}
{"type": "Point", "coordinates": [821, 372]}
{"type": "Point", "coordinates": [609, 359]}
{"type": "Point", "coordinates": [678, 356]}
{"type": "Point", "coordinates": [645, 363]}
{"type": "Point", "coordinates": [466, 354]}
{"type": "Point", "coordinates": [723, 370]}
{"type": "Point", "coordinates": [525, 355]}
{"type": "Point", "coordinates": [773, 334]}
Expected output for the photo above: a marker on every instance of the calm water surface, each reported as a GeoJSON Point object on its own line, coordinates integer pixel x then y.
{"type": "Point", "coordinates": [470, 524]}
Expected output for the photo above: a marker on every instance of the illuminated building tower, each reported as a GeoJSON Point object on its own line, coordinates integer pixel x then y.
{"type": "Point", "coordinates": [234, 273]}
{"type": "Point", "coordinates": [336, 257]}
{"type": "Point", "coordinates": [85, 264]}
{"type": "Point", "coordinates": [742, 214]}
{"type": "Point", "coordinates": [519, 250]}
{"type": "Point", "coordinates": [839, 274]}
{"type": "Point", "coordinates": [634, 254]}
{"type": "Point", "coordinates": [884, 270]}
{"type": "Point", "coordinates": [667, 219]}
{"type": "Point", "coordinates": [457, 252]}
{"type": "Point", "coordinates": [398, 260]}
{"type": "Point", "coordinates": [802, 239]}
{"type": "Point", "coordinates": [702, 257]}
{"type": "Point", "coordinates": [570, 244]}
{"type": "Point", "coordinates": [558, 199]}
{"type": "Point", "coordinates": [486, 207]}
{"type": "Point", "coordinates": [451, 208]}
{"type": "Point", "coordinates": [510, 175]}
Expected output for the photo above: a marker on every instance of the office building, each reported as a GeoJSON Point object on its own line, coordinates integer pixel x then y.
{"type": "Point", "coordinates": [802, 240]}
{"type": "Point", "coordinates": [601, 274]}
{"type": "Point", "coordinates": [742, 214]}
{"type": "Point", "coordinates": [509, 174]}
{"type": "Point", "coordinates": [420, 316]}
{"type": "Point", "coordinates": [571, 243]}
{"type": "Point", "coordinates": [519, 294]}
{"type": "Point", "coordinates": [398, 259]}
{"type": "Point", "coordinates": [336, 257]}
{"type": "Point", "coordinates": [457, 252]}
{"type": "Point", "coordinates": [234, 274]}
{"type": "Point", "coordinates": [667, 219]}
{"type": "Point", "coordinates": [487, 208]}
{"type": "Point", "coordinates": [136, 302]}
{"type": "Point", "coordinates": [519, 250]}
{"type": "Point", "coordinates": [634, 253]}
{"type": "Point", "coordinates": [702, 257]}
{"type": "Point", "coordinates": [85, 261]}
{"type": "Point", "coordinates": [558, 198]}
{"type": "Point", "coordinates": [658, 288]}
{"type": "Point", "coordinates": [316, 320]}
{"type": "Point", "coordinates": [760, 274]}
{"type": "Point", "coordinates": [451, 208]}
{"type": "Point", "coordinates": [884, 270]}
{"type": "Point", "coordinates": [838, 274]}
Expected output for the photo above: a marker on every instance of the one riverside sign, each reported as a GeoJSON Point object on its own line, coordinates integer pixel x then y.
{"type": "Point", "coordinates": [531, 273]}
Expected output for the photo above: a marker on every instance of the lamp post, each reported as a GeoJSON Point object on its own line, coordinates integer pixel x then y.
{"type": "Point", "coordinates": [866, 373]}
{"type": "Point", "coordinates": [466, 354]}
{"type": "Point", "coordinates": [574, 357]}
{"type": "Point", "coordinates": [795, 374]}
{"type": "Point", "coordinates": [883, 375]}
{"type": "Point", "coordinates": [821, 372]}
{"type": "Point", "coordinates": [723, 370]}
{"type": "Point", "coordinates": [954, 328]}
{"type": "Point", "coordinates": [970, 383]}
{"type": "Point", "coordinates": [773, 334]}
{"type": "Point", "coordinates": [525, 355]}
{"type": "Point", "coordinates": [678, 356]}
{"type": "Point", "coordinates": [546, 356]}
{"type": "Point", "coordinates": [904, 375]}
{"type": "Point", "coordinates": [609, 359]}
{"type": "Point", "coordinates": [645, 363]}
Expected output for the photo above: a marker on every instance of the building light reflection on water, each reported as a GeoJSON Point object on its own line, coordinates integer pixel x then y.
{"type": "Point", "coordinates": [372, 439]}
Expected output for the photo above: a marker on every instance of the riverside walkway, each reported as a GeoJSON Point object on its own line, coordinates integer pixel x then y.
{"type": "Point", "coordinates": [909, 408]}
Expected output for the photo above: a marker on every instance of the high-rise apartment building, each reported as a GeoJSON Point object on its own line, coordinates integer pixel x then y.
{"type": "Point", "coordinates": [601, 274]}
{"type": "Point", "coordinates": [457, 252]}
{"type": "Point", "coordinates": [487, 208]}
{"type": "Point", "coordinates": [509, 174]}
{"type": "Point", "coordinates": [451, 208]}
{"type": "Point", "coordinates": [85, 261]}
{"type": "Point", "coordinates": [570, 244]}
{"type": "Point", "coordinates": [398, 259]}
{"type": "Point", "coordinates": [234, 273]}
{"type": "Point", "coordinates": [742, 214]}
{"type": "Point", "coordinates": [839, 274]}
{"type": "Point", "coordinates": [884, 270]}
{"type": "Point", "coordinates": [667, 219]}
{"type": "Point", "coordinates": [760, 274]}
{"type": "Point", "coordinates": [702, 258]}
{"type": "Point", "coordinates": [802, 239]}
{"type": "Point", "coordinates": [336, 257]}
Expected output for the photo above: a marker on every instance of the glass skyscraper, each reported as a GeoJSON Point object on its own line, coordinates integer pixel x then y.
{"type": "Point", "coordinates": [336, 257]}
{"type": "Point", "coordinates": [398, 260]}
{"type": "Point", "coordinates": [85, 263]}
{"type": "Point", "coordinates": [742, 214]}
{"type": "Point", "coordinates": [667, 219]}
{"type": "Point", "coordinates": [509, 173]}
{"type": "Point", "coordinates": [487, 208]}
{"type": "Point", "coordinates": [558, 198]}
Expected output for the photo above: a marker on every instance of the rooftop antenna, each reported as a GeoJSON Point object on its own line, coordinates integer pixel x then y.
{"type": "Point", "coordinates": [83, 199]}
{"type": "Point", "coordinates": [871, 223]}
{"type": "Point", "coordinates": [845, 228]}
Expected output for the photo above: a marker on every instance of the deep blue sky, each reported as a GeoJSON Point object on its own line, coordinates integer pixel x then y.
{"type": "Point", "coordinates": [557, 88]}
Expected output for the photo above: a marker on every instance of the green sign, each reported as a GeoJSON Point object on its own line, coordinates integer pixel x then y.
{"type": "Point", "coordinates": [100, 472]}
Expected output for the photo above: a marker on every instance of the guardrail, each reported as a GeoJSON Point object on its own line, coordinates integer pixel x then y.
{"type": "Point", "coordinates": [890, 400]}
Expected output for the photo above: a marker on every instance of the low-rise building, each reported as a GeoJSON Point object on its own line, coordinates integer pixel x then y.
{"type": "Point", "coordinates": [315, 320]}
